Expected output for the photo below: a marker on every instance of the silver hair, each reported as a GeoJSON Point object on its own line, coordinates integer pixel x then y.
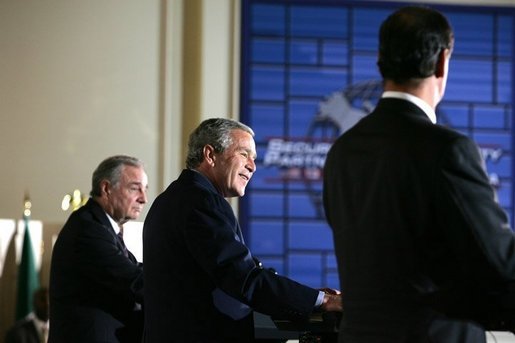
{"type": "Point", "coordinates": [110, 169]}
{"type": "Point", "coordinates": [215, 132]}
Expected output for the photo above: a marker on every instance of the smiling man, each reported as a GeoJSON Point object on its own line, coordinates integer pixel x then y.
{"type": "Point", "coordinates": [201, 280]}
{"type": "Point", "coordinates": [96, 284]}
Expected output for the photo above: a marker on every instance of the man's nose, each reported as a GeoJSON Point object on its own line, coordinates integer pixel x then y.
{"type": "Point", "coordinates": [251, 165]}
{"type": "Point", "coordinates": [143, 196]}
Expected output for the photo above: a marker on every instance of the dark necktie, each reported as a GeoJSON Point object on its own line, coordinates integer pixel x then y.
{"type": "Point", "coordinates": [120, 238]}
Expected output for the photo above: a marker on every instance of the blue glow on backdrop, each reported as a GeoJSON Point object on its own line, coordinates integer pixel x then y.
{"type": "Point", "coordinates": [309, 73]}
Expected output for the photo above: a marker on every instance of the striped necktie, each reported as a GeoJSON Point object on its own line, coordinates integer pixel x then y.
{"type": "Point", "coordinates": [120, 238]}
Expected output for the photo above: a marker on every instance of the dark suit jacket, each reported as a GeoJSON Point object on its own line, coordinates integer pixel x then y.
{"type": "Point", "coordinates": [417, 230]}
{"type": "Point", "coordinates": [93, 285]}
{"type": "Point", "coordinates": [23, 331]}
{"type": "Point", "coordinates": [194, 257]}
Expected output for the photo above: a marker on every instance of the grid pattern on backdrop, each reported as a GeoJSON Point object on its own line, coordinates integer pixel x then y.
{"type": "Point", "coordinates": [309, 73]}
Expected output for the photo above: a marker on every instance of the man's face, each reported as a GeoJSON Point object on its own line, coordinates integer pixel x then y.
{"type": "Point", "coordinates": [235, 166]}
{"type": "Point", "coordinates": [126, 199]}
{"type": "Point", "coordinates": [40, 304]}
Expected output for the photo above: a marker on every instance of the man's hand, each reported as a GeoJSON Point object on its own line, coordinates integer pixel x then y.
{"type": "Point", "coordinates": [332, 300]}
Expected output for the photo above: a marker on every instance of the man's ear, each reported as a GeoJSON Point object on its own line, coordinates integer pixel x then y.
{"type": "Point", "coordinates": [440, 63]}
{"type": "Point", "coordinates": [105, 187]}
{"type": "Point", "coordinates": [209, 154]}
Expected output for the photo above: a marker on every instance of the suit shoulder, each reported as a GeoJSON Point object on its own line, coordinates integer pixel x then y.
{"type": "Point", "coordinates": [20, 328]}
{"type": "Point", "coordinates": [447, 131]}
{"type": "Point", "coordinates": [182, 193]}
{"type": "Point", "coordinates": [86, 223]}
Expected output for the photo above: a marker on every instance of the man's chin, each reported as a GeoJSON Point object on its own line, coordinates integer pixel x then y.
{"type": "Point", "coordinates": [133, 216]}
{"type": "Point", "coordinates": [238, 191]}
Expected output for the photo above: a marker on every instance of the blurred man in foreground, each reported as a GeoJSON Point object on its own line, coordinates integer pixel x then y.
{"type": "Point", "coordinates": [424, 251]}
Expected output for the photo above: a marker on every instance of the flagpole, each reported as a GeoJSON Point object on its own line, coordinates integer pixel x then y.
{"type": "Point", "coordinates": [28, 278]}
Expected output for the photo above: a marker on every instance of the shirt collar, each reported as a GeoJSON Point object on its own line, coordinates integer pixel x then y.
{"type": "Point", "coordinates": [114, 224]}
{"type": "Point", "coordinates": [424, 106]}
{"type": "Point", "coordinates": [40, 324]}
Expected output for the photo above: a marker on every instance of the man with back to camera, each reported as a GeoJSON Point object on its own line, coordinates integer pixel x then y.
{"type": "Point", "coordinates": [201, 281]}
{"type": "Point", "coordinates": [424, 251]}
{"type": "Point", "coordinates": [96, 284]}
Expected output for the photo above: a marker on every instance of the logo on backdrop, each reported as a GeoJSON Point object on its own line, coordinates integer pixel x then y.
{"type": "Point", "coordinates": [301, 159]}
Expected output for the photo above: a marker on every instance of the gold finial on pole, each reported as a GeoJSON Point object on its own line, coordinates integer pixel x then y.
{"type": "Point", "coordinates": [27, 205]}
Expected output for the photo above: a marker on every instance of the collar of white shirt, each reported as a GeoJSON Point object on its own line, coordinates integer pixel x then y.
{"type": "Point", "coordinates": [424, 106]}
{"type": "Point", "coordinates": [114, 224]}
{"type": "Point", "coordinates": [40, 325]}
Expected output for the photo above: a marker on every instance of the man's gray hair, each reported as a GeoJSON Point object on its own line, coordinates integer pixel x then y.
{"type": "Point", "coordinates": [110, 169]}
{"type": "Point", "coordinates": [215, 132]}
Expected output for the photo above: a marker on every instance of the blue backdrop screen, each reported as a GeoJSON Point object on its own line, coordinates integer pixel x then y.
{"type": "Point", "coordinates": [309, 73]}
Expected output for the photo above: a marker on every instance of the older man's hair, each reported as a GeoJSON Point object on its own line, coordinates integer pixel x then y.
{"type": "Point", "coordinates": [215, 132]}
{"type": "Point", "coordinates": [110, 169]}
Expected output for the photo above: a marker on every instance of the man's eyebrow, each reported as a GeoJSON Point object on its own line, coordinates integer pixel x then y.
{"type": "Point", "coordinates": [136, 183]}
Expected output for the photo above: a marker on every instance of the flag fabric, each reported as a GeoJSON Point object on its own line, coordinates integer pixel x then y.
{"type": "Point", "coordinates": [28, 280]}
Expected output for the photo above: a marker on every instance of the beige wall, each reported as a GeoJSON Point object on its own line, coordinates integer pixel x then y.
{"type": "Point", "coordinates": [79, 82]}
{"type": "Point", "coordinates": [82, 80]}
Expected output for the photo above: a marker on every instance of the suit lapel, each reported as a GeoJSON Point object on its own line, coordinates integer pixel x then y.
{"type": "Point", "coordinates": [101, 217]}
{"type": "Point", "coordinates": [239, 234]}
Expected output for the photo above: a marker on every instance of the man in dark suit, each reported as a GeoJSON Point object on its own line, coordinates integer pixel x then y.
{"type": "Point", "coordinates": [34, 327]}
{"type": "Point", "coordinates": [424, 251]}
{"type": "Point", "coordinates": [201, 281]}
{"type": "Point", "coordinates": [96, 284]}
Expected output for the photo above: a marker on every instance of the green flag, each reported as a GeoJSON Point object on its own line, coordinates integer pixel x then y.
{"type": "Point", "coordinates": [28, 280]}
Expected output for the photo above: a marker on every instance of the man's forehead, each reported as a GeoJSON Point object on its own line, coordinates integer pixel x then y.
{"type": "Point", "coordinates": [132, 170]}
{"type": "Point", "coordinates": [134, 175]}
{"type": "Point", "coordinates": [247, 146]}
